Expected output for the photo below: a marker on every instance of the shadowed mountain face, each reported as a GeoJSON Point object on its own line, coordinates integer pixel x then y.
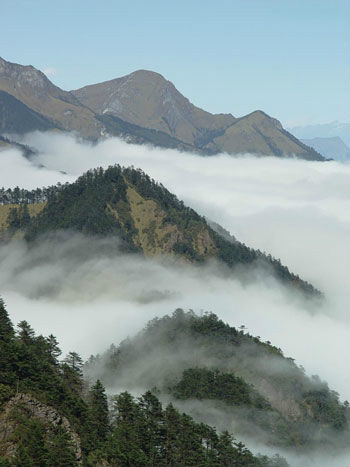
{"type": "Point", "coordinates": [144, 107]}
{"type": "Point", "coordinates": [17, 117]}
{"type": "Point", "coordinates": [36, 91]}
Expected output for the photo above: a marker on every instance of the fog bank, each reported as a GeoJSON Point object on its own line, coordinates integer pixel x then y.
{"type": "Point", "coordinates": [295, 210]}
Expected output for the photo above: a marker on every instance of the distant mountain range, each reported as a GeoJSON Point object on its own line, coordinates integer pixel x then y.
{"type": "Point", "coordinates": [323, 130]}
{"type": "Point", "coordinates": [331, 148]}
{"type": "Point", "coordinates": [142, 107]}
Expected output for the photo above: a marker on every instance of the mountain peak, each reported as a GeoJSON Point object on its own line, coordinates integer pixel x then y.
{"type": "Point", "coordinates": [23, 75]}
{"type": "Point", "coordinates": [147, 99]}
{"type": "Point", "coordinates": [261, 116]}
{"type": "Point", "coordinates": [147, 74]}
{"type": "Point", "coordinates": [147, 107]}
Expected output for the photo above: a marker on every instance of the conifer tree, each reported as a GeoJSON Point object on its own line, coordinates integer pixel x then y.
{"type": "Point", "coordinates": [75, 362]}
{"type": "Point", "coordinates": [53, 346]}
{"type": "Point", "coordinates": [25, 332]}
{"type": "Point", "coordinates": [99, 411]}
{"type": "Point", "coordinates": [6, 328]}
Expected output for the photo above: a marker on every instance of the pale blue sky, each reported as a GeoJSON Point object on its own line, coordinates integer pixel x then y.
{"type": "Point", "coordinates": [289, 58]}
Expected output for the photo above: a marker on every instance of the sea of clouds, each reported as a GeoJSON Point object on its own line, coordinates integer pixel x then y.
{"type": "Point", "coordinates": [90, 294]}
{"type": "Point", "coordinates": [296, 210]}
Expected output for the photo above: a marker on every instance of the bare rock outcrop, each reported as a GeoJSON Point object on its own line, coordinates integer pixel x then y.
{"type": "Point", "coordinates": [31, 407]}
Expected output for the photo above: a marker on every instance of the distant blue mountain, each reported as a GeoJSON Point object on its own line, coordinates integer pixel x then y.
{"type": "Point", "coordinates": [331, 148]}
{"type": "Point", "coordinates": [324, 130]}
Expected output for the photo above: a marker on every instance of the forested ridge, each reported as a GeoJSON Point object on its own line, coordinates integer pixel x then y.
{"type": "Point", "coordinates": [200, 358]}
{"type": "Point", "coordinates": [80, 427]}
{"type": "Point", "coordinates": [148, 218]}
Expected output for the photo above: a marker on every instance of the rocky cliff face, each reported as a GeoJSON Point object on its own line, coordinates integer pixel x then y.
{"type": "Point", "coordinates": [30, 407]}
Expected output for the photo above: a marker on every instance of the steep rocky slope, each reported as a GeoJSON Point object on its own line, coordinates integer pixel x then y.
{"type": "Point", "coordinates": [28, 407]}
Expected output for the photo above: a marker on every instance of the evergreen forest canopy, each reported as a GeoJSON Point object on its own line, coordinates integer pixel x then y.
{"type": "Point", "coordinates": [186, 357]}
{"type": "Point", "coordinates": [146, 216]}
{"type": "Point", "coordinates": [80, 427]}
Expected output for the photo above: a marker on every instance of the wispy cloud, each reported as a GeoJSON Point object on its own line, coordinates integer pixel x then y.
{"type": "Point", "coordinates": [50, 71]}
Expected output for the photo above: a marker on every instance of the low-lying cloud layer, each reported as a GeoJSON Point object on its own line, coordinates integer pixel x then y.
{"type": "Point", "coordinates": [293, 209]}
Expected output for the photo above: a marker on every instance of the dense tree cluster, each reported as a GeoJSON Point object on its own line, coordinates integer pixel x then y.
{"type": "Point", "coordinates": [133, 432]}
{"type": "Point", "coordinates": [216, 356]}
{"type": "Point", "coordinates": [90, 204]}
{"type": "Point", "coordinates": [18, 217]}
{"type": "Point", "coordinates": [149, 435]}
{"type": "Point", "coordinates": [204, 383]}
{"type": "Point", "coordinates": [22, 196]}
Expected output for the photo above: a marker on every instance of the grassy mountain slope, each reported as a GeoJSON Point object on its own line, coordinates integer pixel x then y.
{"type": "Point", "coordinates": [249, 384]}
{"type": "Point", "coordinates": [49, 416]}
{"type": "Point", "coordinates": [36, 91]}
{"type": "Point", "coordinates": [258, 133]}
{"type": "Point", "coordinates": [147, 99]}
{"type": "Point", "coordinates": [145, 108]}
{"type": "Point", "coordinates": [126, 202]}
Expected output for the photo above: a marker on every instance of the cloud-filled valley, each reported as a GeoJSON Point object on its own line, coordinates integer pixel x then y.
{"type": "Point", "coordinates": [90, 294]}
{"type": "Point", "coordinates": [293, 209]}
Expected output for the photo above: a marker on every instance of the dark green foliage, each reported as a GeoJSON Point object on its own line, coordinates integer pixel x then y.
{"type": "Point", "coordinates": [28, 363]}
{"type": "Point", "coordinates": [21, 196]}
{"type": "Point", "coordinates": [5, 462]}
{"type": "Point", "coordinates": [99, 412]}
{"type": "Point", "coordinates": [6, 329]}
{"type": "Point", "coordinates": [144, 434]}
{"type": "Point", "coordinates": [89, 206]}
{"type": "Point", "coordinates": [85, 205]}
{"type": "Point", "coordinates": [74, 362]}
{"type": "Point", "coordinates": [61, 454]}
{"type": "Point", "coordinates": [201, 357]}
{"type": "Point", "coordinates": [141, 432]}
{"type": "Point", "coordinates": [325, 406]}
{"type": "Point", "coordinates": [42, 446]}
{"type": "Point", "coordinates": [18, 217]}
{"type": "Point", "coordinates": [202, 383]}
